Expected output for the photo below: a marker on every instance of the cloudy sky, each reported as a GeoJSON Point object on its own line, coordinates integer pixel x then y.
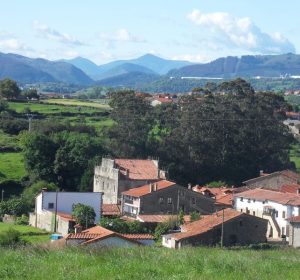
{"type": "Point", "coordinates": [195, 30]}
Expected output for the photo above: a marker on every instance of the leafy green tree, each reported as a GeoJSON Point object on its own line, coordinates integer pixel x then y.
{"type": "Point", "coordinates": [181, 217]}
{"type": "Point", "coordinates": [9, 89]}
{"type": "Point", "coordinates": [3, 106]}
{"type": "Point", "coordinates": [163, 228]}
{"type": "Point", "coordinates": [29, 193]}
{"type": "Point", "coordinates": [31, 94]}
{"type": "Point", "coordinates": [83, 215]}
{"type": "Point", "coordinates": [14, 206]}
{"type": "Point", "coordinates": [132, 117]}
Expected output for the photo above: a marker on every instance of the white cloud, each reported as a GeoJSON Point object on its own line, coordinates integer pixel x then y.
{"type": "Point", "coordinates": [241, 33]}
{"type": "Point", "coordinates": [121, 35]}
{"type": "Point", "coordinates": [46, 32]}
{"type": "Point", "coordinates": [9, 43]}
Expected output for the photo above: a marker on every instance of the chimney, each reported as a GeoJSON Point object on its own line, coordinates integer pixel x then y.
{"type": "Point", "coordinates": [78, 228]}
{"type": "Point", "coordinates": [44, 189]}
{"type": "Point", "coordinates": [151, 187]}
{"type": "Point", "coordinates": [155, 187]}
{"type": "Point", "coordinates": [189, 186]}
{"type": "Point", "coordinates": [261, 172]}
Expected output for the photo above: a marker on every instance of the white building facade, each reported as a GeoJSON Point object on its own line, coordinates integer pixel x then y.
{"type": "Point", "coordinates": [59, 204]}
{"type": "Point", "coordinates": [274, 206]}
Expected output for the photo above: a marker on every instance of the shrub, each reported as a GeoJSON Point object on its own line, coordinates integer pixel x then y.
{"type": "Point", "coordinates": [14, 206]}
{"type": "Point", "coordinates": [10, 237]}
{"type": "Point", "coordinates": [23, 220]}
{"type": "Point", "coordinates": [164, 228]}
{"type": "Point", "coordinates": [195, 216]}
{"type": "Point", "coordinates": [13, 126]}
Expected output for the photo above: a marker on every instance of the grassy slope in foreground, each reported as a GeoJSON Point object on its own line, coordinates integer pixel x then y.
{"type": "Point", "coordinates": [149, 263]}
{"type": "Point", "coordinates": [29, 234]}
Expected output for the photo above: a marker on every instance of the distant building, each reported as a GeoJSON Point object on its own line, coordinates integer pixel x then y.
{"type": "Point", "coordinates": [238, 228]}
{"type": "Point", "coordinates": [274, 206]}
{"type": "Point", "coordinates": [164, 197]}
{"type": "Point", "coordinates": [53, 210]}
{"type": "Point", "coordinates": [114, 176]}
{"type": "Point", "coordinates": [98, 237]}
{"type": "Point", "coordinates": [273, 181]}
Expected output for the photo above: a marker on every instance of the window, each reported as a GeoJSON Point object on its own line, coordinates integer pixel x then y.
{"type": "Point", "coordinates": [50, 205]}
{"type": "Point", "coordinates": [276, 214]}
{"type": "Point", "coordinates": [102, 185]}
{"type": "Point", "coordinates": [169, 200]}
{"type": "Point", "coordinates": [253, 213]}
{"type": "Point", "coordinates": [249, 200]}
{"type": "Point", "coordinates": [241, 199]}
{"type": "Point", "coordinates": [193, 200]}
{"type": "Point", "coordinates": [161, 200]}
{"type": "Point", "coordinates": [283, 214]}
{"type": "Point", "coordinates": [181, 193]}
{"type": "Point", "coordinates": [253, 200]}
{"type": "Point", "coordinates": [282, 230]}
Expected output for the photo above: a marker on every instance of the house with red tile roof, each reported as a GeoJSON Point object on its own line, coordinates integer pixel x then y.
{"type": "Point", "coordinates": [231, 226]}
{"type": "Point", "coordinates": [274, 181]}
{"type": "Point", "coordinates": [164, 197]}
{"type": "Point", "coordinates": [100, 237]}
{"type": "Point", "coordinates": [275, 206]}
{"type": "Point", "coordinates": [114, 176]}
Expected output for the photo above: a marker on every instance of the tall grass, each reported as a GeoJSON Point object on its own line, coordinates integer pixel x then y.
{"type": "Point", "coordinates": [149, 263]}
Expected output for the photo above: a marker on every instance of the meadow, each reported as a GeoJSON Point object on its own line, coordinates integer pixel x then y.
{"type": "Point", "coordinates": [29, 234]}
{"type": "Point", "coordinates": [149, 263]}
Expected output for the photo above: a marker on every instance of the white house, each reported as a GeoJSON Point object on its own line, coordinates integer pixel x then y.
{"type": "Point", "coordinates": [276, 207]}
{"type": "Point", "coordinates": [61, 203]}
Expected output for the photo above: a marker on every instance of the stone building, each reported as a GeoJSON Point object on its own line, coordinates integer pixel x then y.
{"type": "Point", "coordinates": [274, 181]}
{"type": "Point", "coordinates": [294, 231]}
{"type": "Point", "coordinates": [238, 229]}
{"type": "Point", "coordinates": [164, 197]}
{"type": "Point", "coordinates": [114, 176]}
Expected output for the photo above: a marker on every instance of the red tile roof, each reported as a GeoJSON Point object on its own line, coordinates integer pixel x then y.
{"type": "Point", "coordinates": [138, 169]}
{"type": "Point", "coordinates": [144, 190]}
{"type": "Point", "coordinates": [290, 188]}
{"type": "Point", "coordinates": [206, 223]}
{"type": "Point", "coordinates": [279, 197]}
{"type": "Point", "coordinates": [111, 210]}
{"type": "Point", "coordinates": [98, 233]}
{"type": "Point", "coordinates": [65, 216]}
{"type": "Point", "coordinates": [295, 219]}
{"type": "Point", "coordinates": [138, 236]}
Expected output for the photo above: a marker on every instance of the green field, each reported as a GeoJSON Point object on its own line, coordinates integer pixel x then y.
{"type": "Point", "coordinates": [29, 234]}
{"type": "Point", "coordinates": [74, 102]}
{"type": "Point", "coordinates": [11, 166]}
{"type": "Point", "coordinates": [149, 263]}
{"type": "Point", "coordinates": [295, 155]}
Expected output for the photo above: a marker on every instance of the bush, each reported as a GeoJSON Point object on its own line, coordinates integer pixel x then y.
{"type": "Point", "coordinates": [23, 220]}
{"type": "Point", "coordinates": [13, 126]}
{"type": "Point", "coordinates": [10, 237]}
{"type": "Point", "coordinates": [14, 206]}
{"type": "Point", "coordinates": [164, 228]}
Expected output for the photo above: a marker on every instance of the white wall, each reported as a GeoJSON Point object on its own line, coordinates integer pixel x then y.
{"type": "Point", "coordinates": [258, 207]}
{"type": "Point", "coordinates": [65, 201]}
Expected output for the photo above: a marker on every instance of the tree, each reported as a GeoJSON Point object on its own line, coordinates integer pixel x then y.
{"type": "Point", "coordinates": [180, 217]}
{"type": "Point", "coordinates": [31, 93]}
{"type": "Point", "coordinates": [195, 216]}
{"type": "Point", "coordinates": [14, 206]}
{"type": "Point", "coordinates": [9, 89]}
{"type": "Point", "coordinates": [132, 117]}
{"type": "Point", "coordinates": [83, 215]}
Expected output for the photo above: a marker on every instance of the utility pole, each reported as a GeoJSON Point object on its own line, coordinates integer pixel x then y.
{"type": "Point", "coordinates": [222, 230]}
{"type": "Point", "coordinates": [55, 214]}
{"type": "Point", "coordinates": [30, 117]}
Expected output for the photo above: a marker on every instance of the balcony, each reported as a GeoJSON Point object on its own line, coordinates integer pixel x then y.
{"type": "Point", "coordinates": [128, 201]}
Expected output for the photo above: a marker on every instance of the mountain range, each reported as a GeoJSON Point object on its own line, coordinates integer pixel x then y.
{"type": "Point", "coordinates": [147, 63]}
{"type": "Point", "coordinates": [144, 70]}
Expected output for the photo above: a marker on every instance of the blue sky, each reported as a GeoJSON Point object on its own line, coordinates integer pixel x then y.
{"type": "Point", "coordinates": [195, 30]}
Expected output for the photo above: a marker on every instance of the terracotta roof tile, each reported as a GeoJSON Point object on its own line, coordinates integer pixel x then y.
{"type": "Point", "coordinates": [138, 169]}
{"type": "Point", "coordinates": [279, 197]}
{"type": "Point", "coordinates": [144, 190]}
{"type": "Point", "coordinates": [290, 188]}
{"type": "Point", "coordinates": [111, 210]}
{"type": "Point", "coordinates": [65, 216]}
{"type": "Point", "coordinates": [138, 236]}
{"type": "Point", "coordinates": [295, 219]}
{"type": "Point", "coordinates": [206, 223]}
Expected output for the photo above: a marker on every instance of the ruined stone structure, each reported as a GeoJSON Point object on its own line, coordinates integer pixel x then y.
{"type": "Point", "coordinates": [114, 176]}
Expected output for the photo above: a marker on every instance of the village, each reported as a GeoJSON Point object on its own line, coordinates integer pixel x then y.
{"type": "Point", "coordinates": [264, 210]}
